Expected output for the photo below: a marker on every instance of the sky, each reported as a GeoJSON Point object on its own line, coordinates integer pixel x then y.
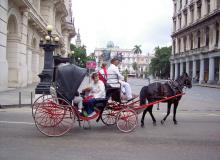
{"type": "Point", "coordinates": [125, 22]}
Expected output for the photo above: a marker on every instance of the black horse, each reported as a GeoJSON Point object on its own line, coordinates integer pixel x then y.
{"type": "Point", "coordinates": [156, 91]}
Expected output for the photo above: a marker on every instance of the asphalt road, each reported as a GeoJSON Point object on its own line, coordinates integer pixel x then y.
{"type": "Point", "coordinates": [196, 137]}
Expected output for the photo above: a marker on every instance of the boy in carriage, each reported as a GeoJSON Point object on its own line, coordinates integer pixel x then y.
{"type": "Point", "coordinates": [95, 91]}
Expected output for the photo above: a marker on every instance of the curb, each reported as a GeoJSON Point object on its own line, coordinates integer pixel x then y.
{"type": "Point", "coordinates": [209, 86]}
{"type": "Point", "coordinates": [14, 106]}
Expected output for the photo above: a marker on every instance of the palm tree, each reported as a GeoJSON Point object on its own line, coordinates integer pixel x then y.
{"type": "Point", "coordinates": [137, 49]}
{"type": "Point", "coordinates": [135, 67]}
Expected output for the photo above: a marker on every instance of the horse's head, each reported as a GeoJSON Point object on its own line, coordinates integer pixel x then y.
{"type": "Point", "coordinates": [187, 80]}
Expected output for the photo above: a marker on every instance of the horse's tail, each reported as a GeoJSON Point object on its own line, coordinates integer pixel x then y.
{"type": "Point", "coordinates": [143, 96]}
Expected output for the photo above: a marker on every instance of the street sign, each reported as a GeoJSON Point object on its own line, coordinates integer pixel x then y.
{"type": "Point", "coordinates": [91, 64]}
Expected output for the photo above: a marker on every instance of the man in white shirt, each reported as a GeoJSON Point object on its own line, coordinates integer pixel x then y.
{"type": "Point", "coordinates": [114, 75]}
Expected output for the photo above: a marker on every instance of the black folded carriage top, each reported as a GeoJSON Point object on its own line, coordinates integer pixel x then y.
{"type": "Point", "coordinates": [68, 79]}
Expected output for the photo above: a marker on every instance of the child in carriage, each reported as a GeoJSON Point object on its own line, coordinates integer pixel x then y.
{"type": "Point", "coordinates": [95, 90]}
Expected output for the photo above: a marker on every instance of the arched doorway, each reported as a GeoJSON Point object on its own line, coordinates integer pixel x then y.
{"type": "Point", "coordinates": [12, 51]}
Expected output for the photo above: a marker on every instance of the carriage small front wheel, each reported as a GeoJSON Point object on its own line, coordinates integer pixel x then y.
{"type": "Point", "coordinates": [108, 116]}
{"type": "Point", "coordinates": [127, 120]}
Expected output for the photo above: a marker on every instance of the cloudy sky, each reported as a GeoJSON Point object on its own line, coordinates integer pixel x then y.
{"type": "Point", "coordinates": [125, 22]}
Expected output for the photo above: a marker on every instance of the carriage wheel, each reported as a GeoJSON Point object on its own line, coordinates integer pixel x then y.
{"type": "Point", "coordinates": [127, 120]}
{"type": "Point", "coordinates": [54, 117]}
{"type": "Point", "coordinates": [108, 116]}
{"type": "Point", "coordinates": [37, 102]}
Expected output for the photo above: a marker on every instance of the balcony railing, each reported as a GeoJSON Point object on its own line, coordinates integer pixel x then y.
{"type": "Point", "coordinates": [194, 51]}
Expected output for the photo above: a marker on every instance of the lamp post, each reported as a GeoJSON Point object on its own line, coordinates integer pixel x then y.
{"type": "Point", "coordinates": [50, 44]}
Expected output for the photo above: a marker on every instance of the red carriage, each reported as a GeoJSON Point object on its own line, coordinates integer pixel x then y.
{"type": "Point", "coordinates": [55, 115]}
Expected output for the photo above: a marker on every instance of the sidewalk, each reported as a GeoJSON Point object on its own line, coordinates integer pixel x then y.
{"type": "Point", "coordinates": [10, 97]}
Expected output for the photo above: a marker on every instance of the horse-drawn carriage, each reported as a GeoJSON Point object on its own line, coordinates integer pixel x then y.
{"type": "Point", "coordinates": [55, 114]}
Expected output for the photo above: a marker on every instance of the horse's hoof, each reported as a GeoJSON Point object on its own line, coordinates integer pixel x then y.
{"type": "Point", "coordinates": [162, 121]}
{"type": "Point", "coordinates": [175, 122]}
{"type": "Point", "coordinates": [142, 125]}
{"type": "Point", "coordinates": [154, 123]}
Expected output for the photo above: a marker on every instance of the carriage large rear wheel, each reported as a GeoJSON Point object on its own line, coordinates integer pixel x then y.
{"type": "Point", "coordinates": [108, 116]}
{"type": "Point", "coordinates": [54, 117]}
{"type": "Point", "coordinates": [37, 102]}
{"type": "Point", "coordinates": [127, 120]}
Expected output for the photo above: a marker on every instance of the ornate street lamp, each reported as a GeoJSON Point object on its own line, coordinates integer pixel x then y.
{"type": "Point", "coordinates": [50, 44]}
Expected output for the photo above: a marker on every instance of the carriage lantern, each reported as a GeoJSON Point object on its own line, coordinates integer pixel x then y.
{"type": "Point", "coordinates": [49, 45]}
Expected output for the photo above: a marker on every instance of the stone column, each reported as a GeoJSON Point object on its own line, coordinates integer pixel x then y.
{"type": "Point", "coordinates": [22, 78]}
{"type": "Point", "coordinates": [211, 70]}
{"type": "Point", "coordinates": [29, 68]}
{"type": "Point", "coordinates": [176, 70]}
{"type": "Point", "coordinates": [219, 70]}
{"type": "Point", "coordinates": [194, 69]}
{"type": "Point", "coordinates": [201, 75]}
{"type": "Point", "coordinates": [181, 67]}
{"type": "Point", "coordinates": [171, 70]}
{"type": "Point", "coordinates": [187, 66]}
{"type": "Point", "coordinates": [3, 44]}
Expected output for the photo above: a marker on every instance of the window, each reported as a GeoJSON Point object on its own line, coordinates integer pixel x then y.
{"type": "Point", "coordinates": [179, 45]}
{"type": "Point", "coordinates": [174, 47]}
{"type": "Point", "coordinates": [198, 39]}
{"type": "Point", "coordinates": [191, 41]}
{"type": "Point", "coordinates": [208, 6]}
{"type": "Point", "coordinates": [185, 15]}
{"type": "Point", "coordinates": [174, 25]}
{"type": "Point", "coordinates": [175, 8]}
{"type": "Point", "coordinates": [199, 6]}
{"type": "Point", "coordinates": [217, 34]}
{"type": "Point", "coordinates": [192, 13]}
{"type": "Point", "coordinates": [184, 43]}
{"type": "Point", "coordinates": [180, 4]}
{"type": "Point", "coordinates": [207, 36]}
{"type": "Point", "coordinates": [180, 21]}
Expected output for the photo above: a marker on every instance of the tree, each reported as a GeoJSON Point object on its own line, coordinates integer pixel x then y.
{"type": "Point", "coordinates": [160, 64]}
{"type": "Point", "coordinates": [135, 67]}
{"type": "Point", "coordinates": [137, 49]}
{"type": "Point", "coordinates": [79, 56]}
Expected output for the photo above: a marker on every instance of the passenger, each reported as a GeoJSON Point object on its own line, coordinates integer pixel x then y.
{"type": "Point", "coordinates": [103, 73]}
{"type": "Point", "coordinates": [96, 90]}
{"type": "Point", "coordinates": [112, 72]}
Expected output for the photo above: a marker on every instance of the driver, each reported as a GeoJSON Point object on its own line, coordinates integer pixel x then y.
{"type": "Point", "coordinates": [114, 71]}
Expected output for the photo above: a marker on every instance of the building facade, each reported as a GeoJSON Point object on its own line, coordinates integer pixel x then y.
{"type": "Point", "coordinates": [128, 59]}
{"type": "Point", "coordinates": [78, 40]}
{"type": "Point", "coordinates": [196, 40]}
{"type": "Point", "coordinates": [23, 23]}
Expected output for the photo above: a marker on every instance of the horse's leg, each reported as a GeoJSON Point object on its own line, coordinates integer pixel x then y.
{"type": "Point", "coordinates": [151, 114]}
{"type": "Point", "coordinates": [168, 112]}
{"type": "Point", "coordinates": [143, 116]}
{"type": "Point", "coordinates": [174, 112]}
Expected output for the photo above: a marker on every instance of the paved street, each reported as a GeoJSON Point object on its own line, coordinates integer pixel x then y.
{"type": "Point", "coordinates": [196, 137]}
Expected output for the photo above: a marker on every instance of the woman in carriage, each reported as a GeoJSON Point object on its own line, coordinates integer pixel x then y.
{"type": "Point", "coordinates": [96, 91]}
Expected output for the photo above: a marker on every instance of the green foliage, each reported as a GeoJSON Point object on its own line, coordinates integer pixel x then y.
{"type": "Point", "coordinates": [79, 57]}
{"type": "Point", "coordinates": [135, 66]}
{"type": "Point", "coordinates": [137, 49]}
{"type": "Point", "coordinates": [160, 64]}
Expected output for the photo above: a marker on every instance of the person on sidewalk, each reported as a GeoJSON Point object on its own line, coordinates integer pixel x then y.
{"type": "Point", "coordinates": [113, 73]}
